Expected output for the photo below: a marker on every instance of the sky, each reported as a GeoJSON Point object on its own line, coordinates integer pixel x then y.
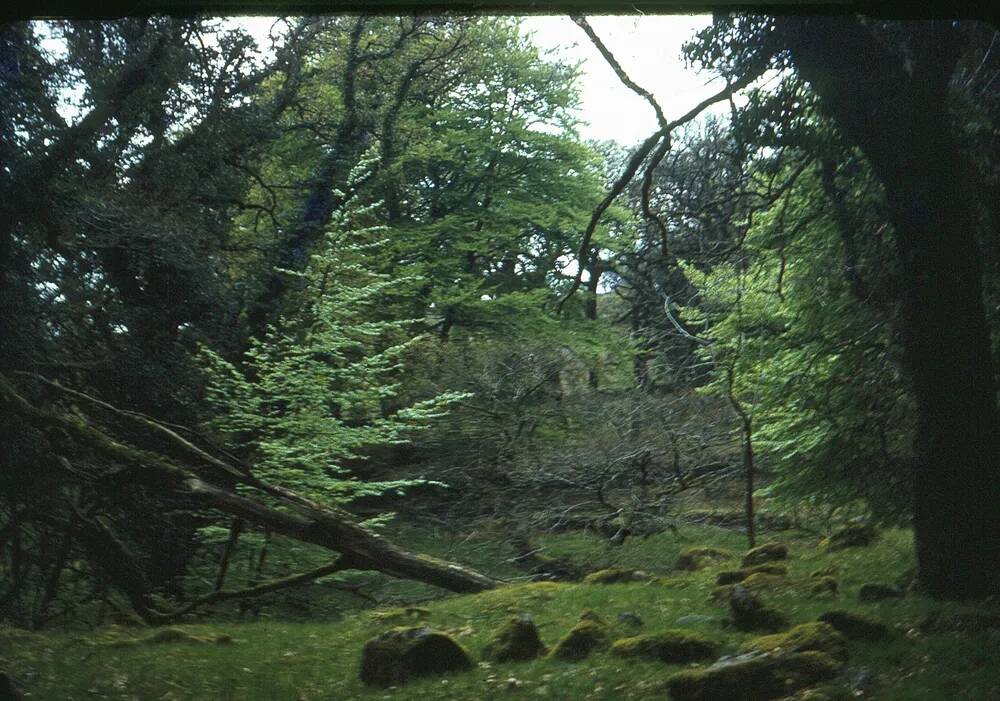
{"type": "Point", "coordinates": [648, 47]}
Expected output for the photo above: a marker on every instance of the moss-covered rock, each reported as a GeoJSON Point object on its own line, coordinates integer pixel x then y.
{"type": "Point", "coordinates": [854, 626]}
{"type": "Point", "coordinates": [516, 640]}
{"type": "Point", "coordinates": [750, 613]}
{"type": "Point", "coordinates": [753, 677]}
{"type": "Point", "coordinates": [853, 536]}
{"type": "Point", "coordinates": [695, 558]}
{"type": "Point", "coordinates": [671, 646]}
{"type": "Point", "coordinates": [616, 576]}
{"type": "Point", "coordinates": [769, 552]}
{"type": "Point", "coordinates": [823, 585]}
{"type": "Point", "coordinates": [878, 592]}
{"type": "Point", "coordinates": [818, 636]}
{"type": "Point", "coordinates": [762, 580]}
{"type": "Point", "coordinates": [582, 639]}
{"type": "Point", "coordinates": [400, 654]}
{"type": "Point", "coordinates": [736, 576]}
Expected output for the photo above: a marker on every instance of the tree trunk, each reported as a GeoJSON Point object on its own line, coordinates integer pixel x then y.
{"type": "Point", "coordinates": [896, 111]}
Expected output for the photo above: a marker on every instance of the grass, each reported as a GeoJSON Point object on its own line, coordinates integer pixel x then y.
{"type": "Point", "coordinates": [284, 661]}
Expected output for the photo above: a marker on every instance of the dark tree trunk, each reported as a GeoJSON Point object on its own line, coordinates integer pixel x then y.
{"type": "Point", "coordinates": [896, 111]}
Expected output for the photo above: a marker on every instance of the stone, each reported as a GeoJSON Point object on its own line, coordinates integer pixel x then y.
{"type": "Point", "coordinates": [671, 646]}
{"type": "Point", "coordinates": [516, 640]}
{"type": "Point", "coordinates": [750, 613]}
{"type": "Point", "coordinates": [878, 592]}
{"type": "Point", "coordinates": [854, 626]}
{"type": "Point", "coordinates": [853, 536]}
{"type": "Point", "coordinates": [753, 677]}
{"type": "Point", "coordinates": [768, 552]}
{"type": "Point", "coordinates": [694, 559]}
{"type": "Point", "coordinates": [629, 618]}
{"type": "Point", "coordinates": [823, 585]}
{"type": "Point", "coordinates": [736, 576]}
{"type": "Point", "coordinates": [818, 637]}
{"type": "Point", "coordinates": [399, 654]}
{"type": "Point", "coordinates": [616, 576]}
{"type": "Point", "coordinates": [582, 639]}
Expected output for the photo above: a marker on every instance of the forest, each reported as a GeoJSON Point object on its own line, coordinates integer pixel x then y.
{"type": "Point", "coordinates": [340, 364]}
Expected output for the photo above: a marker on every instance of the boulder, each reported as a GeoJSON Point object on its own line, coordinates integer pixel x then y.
{"type": "Point", "coordinates": [818, 637]}
{"type": "Point", "coordinates": [582, 639]}
{"type": "Point", "coordinates": [695, 558]}
{"type": "Point", "coordinates": [878, 592]}
{"type": "Point", "coordinates": [854, 536]}
{"type": "Point", "coordinates": [769, 552]}
{"type": "Point", "coordinates": [616, 576]}
{"type": "Point", "coordinates": [516, 640]}
{"type": "Point", "coordinates": [750, 613]}
{"type": "Point", "coordinates": [400, 654]}
{"type": "Point", "coordinates": [823, 585]}
{"type": "Point", "coordinates": [736, 576]}
{"type": "Point", "coordinates": [854, 626]}
{"type": "Point", "coordinates": [671, 646]}
{"type": "Point", "coordinates": [755, 676]}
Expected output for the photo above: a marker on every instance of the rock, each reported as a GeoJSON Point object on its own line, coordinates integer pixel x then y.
{"type": "Point", "coordinates": [854, 536]}
{"type": "Point", "coordinates": [616, 576]}
{"type": "Point", "coordinates": [671, 646]}
{"type": "Point", "coordinates": [768, 552]}
{"type": "Point", "coordinates": [630, 619]}
{"type": "Point", "coordinates": [400, 654]}
{"type": "Point", "coordinates": [516, 640]}
{"type": "Point", "coordinates": [818, 637]}
{"type": "Point", "coordinates": [735, 576]}
{"type": "Point", "coordinates": [8, 689]}
{"type": "Point", "coordinates": [582, 639]}
{"type": "Point", "coordinates": [762, 580]}
{"type": "Point", "coordinates": [823, 585]}
{"type": "Point", "coordinates": [749, 613]}
{"type": "Point", "coordinates": [592, 615]}
{"type": "Point", "coordinates": [854, 626]}
{"type": "Point", "coordinates": [756, 677]}
{"type": "Point", "coordinates": [878, 592]}
{"type": "Point", "coordinates": [693, 619]}
{"type": "Point", "coordinates": [695, 558]}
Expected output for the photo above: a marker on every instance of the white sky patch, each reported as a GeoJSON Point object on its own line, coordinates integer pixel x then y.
{"type": "Point", "coordinates": [648, 47]}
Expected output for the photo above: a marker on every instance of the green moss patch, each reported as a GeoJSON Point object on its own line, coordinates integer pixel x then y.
{"type": "Point", "coordinates": [736, 576]}
{"type": "Point", "coordinates": [616, 576]}
{"type": "Point", "coordinates": [694, 559]}
{"type": "Point", "coordinates": [769, 552]}
{"type": "Point", "coordinates": [518, 639]}
{"type": "Point", "coordinates": [672, 646]}
{"type": "Point", "coordinates": [818, 636]}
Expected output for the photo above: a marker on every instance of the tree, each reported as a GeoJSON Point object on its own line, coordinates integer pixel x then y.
{"type": "Point", "coordinates": [886, 85]}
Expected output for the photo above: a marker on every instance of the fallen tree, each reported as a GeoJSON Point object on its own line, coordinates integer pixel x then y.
{"type": "Point", "coordinates": [184, 469]}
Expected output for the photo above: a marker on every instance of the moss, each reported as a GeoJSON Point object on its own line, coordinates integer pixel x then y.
{"type": "Point", "coordinates": [516, 640]}
{"type": "Point", "coordinates": [616, 576]}
{"type": "Point", "coordinates": [672, 646]}
{"type": "Point", "coordinates": [823, 585]}
{"type": "Point", "coordinates": [735, 576]}
{"type": "Point", "coordinates": [414, 612]}
{"type": "Point", "coordinates": [399, 654]}
{"type": "Point", "coordinates": [581, 640]}
{"type": "Point", "coordinates": [765, 553]}
{"type": "Point", "coordinates": [853, 536]}
{"type": "Point", "coordinates": [757, 677]}
{"type": "Point", "coordinates": [166, 636]}
{"type": "Point", "coordinates": [592, 615]}
{"type": "Point", "coordinates": [854, 626]}
{"type": "Point", "coordinates": [827, 571]}
{"type": "Point", "coordinates": [750, 613]}
{"type": "Point", "coordinates": [763, 580]}
{"type": "Point", "coordinates": [695, 558]}
{"type": "Point", "coordinates": [818, 636]}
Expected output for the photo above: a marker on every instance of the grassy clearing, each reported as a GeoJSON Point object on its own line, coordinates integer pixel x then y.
{"type": "Point", "coordinates": [312, 661]}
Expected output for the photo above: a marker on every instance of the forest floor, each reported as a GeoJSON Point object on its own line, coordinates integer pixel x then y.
{"type": "Point", "coordinates": [285, 661]}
